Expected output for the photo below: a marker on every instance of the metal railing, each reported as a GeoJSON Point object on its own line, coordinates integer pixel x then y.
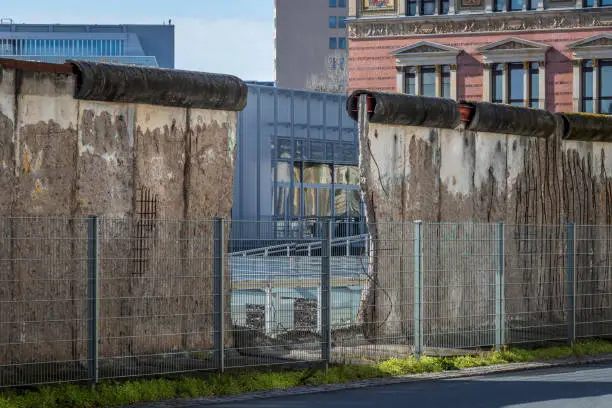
{"type": "Point", "coordinates": [84, 299]}
{"type": "Point", "coordinates": [307, 248]}
{"type": "Point", "coordinates": [146, 61]}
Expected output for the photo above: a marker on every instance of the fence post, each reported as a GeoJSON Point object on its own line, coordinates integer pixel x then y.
{"type": "Point", "coordinates": [499, 289]}
{"type": "Point", "coordinates": [570, 268]}
{"type": "Point", "coordinates": [219, 295]}
{"type": "Point", "coordinates": [326, 294]}
{"type": "Point", "coordinates": [418, 289]}
{"type": "Point", "coordinates": [93, 307]}
{"type": "Point", "coordinates": [269, 311]}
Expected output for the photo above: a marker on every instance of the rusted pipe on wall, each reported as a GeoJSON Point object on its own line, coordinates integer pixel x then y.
{"type": "Point", "coordinates": [157, 86]}
{"type": "Point", "coordinates": [406, 110]}
{"type": "Point", "coordinates": [507, 119]}
{"type": "Point", "coordinates": [587, 127]}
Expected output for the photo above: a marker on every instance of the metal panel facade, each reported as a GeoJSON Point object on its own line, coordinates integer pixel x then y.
{"type": "Point", "coordinates": [290, 143]}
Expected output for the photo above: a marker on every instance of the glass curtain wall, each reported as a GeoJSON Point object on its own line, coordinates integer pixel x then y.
{"type": "Point", "coordinates": [307, 192]}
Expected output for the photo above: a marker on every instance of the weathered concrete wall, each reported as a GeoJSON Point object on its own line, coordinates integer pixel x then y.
{"type": "Point", "coordinates": [437, 175]}
{"type": "Point", "coordinates": [67, 158]}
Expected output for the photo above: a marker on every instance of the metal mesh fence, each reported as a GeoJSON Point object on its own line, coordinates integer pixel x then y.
{"type": "Point", "coordinates": [459, 272]}
{"type": "Point", "coordinates": [536, 283]}
{"type": "Point", "coordinates": [43, 297]}
{"type": "Point", "coordinates": [278, 293]}
{"type": "Point", "coordinates": [156, 297]}
{"type": "Point", "coordinates": [88, 299]}
{"type": "Point", "coordinates": [385, 323]}
{"type": "Point", "coordinates": [593, 281]}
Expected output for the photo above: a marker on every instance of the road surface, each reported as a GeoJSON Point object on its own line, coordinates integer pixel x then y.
{"type": "Point", "coordinates": [573, 387]}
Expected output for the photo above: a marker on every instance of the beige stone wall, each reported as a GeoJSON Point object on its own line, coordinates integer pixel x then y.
{"type": "Point", "coordinates": [68, 158]}
{"type": "Point", "coordinates": [440, 175]}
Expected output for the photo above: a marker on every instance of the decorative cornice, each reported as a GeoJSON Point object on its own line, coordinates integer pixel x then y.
{"type": "Point", "coordinates": [425, 47]}
{"type": "Point", "coordinates": [513, 43]}
{"type": "Point", "coordinates": [598, 40]}
{"type": "Point", "coordinates": [479, 23]}
{"type": "Point", "coordinates": [593, 47]}
{"type": "Point", "coordinates": [513, 49]}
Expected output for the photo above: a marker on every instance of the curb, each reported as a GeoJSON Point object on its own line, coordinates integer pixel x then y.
{"type": "Point", "coordinates": [377, 382]}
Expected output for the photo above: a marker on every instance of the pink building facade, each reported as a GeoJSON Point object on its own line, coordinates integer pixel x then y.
{"type": "Point", "coordinates": [557, 56]}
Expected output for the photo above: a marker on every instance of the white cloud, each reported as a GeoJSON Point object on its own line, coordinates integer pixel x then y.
{"type": "Point", "coordinates": [240, 47]}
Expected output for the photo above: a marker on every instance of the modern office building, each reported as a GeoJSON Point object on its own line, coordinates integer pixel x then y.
{"type": "Point", "coordinates": [263, 83]}
{"type": "Point", "coordinates": [296, 165]}
{"type": "Point", "coordinates": [551, 54]}
{"type": "Point", "coordinates": [144, 45]}
{"type": "Point", "coordinates": [310, 37]}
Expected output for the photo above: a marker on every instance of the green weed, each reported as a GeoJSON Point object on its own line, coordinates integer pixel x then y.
{"type": "Point", "coordinates": [108, 394]}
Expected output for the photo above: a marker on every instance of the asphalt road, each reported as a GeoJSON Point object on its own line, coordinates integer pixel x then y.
{"type": "Point", "coordinates": [573, 387]}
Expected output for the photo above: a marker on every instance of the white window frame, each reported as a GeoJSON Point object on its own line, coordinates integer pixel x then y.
{"type": "Point", "coordinates": [522, 51]}
{"type": "Point", "coordinates": [595, 48]}
{"type": "Point", "coordinates": [435, 55]}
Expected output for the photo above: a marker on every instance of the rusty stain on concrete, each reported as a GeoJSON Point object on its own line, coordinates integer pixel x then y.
{"type": "Point", "coordinates": [26, 162]}
{"type": "Point", "coordinates": [38, 189]}
{"type": "Point", "coordinates": [69, 158]}
{"type": "Point", "coordinates": [484, 177]}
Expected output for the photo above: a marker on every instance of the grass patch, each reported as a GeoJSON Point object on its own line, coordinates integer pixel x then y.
{"type": "Point", "coordinates": [108, 394]}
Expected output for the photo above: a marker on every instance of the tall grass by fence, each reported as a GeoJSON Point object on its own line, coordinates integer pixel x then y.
{"type": "Point", "coordinates": [99, 298]}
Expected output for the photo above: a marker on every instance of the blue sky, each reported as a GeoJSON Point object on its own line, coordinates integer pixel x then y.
{"type": "Point", "coordinates": [229, 36]}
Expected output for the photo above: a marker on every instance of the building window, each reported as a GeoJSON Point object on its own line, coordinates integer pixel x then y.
{"type": "Point", "coordinates": [587, 86]}
{"type": "Point", "coordinates": [497, 81]}
{"type": "Point", "coordinates": [411, 9]}
{"type": "Point", "coordinates": [342, 43]}
{"type": "Point", "coordinates": [602, 3]}
{"type": "Point", "coordinates": [514, 5]}
{"type": "Point", "coordinates": [428, 81]}
{"type": "Point", "coordinates": [444, 6]}
{"type": "Point", "coordinates": [332, 3]}
{"type": "Point", "coordinates": [512, 82]}
{"type": "Point", "coordinates": [333, 22]}
{"type": "Point", "coordinates": [410, 87]}
{"type": "Point", "coordinates": [342, 3]}
{"type": "Point", "coordinates": [516, 83]}
{"type": "Point", "coordinates": [445, 82]}
{"type": "Point", "coordinates": [605, 81]}
{"type": "Point", "coordinates": [59, 47]}
{"type": "Point", "coordinates": [602, 96]}
{"type": "Point", "coordinates": [310, 191]}
{"type": "Point", "coordinates": [333, 43]}
{"type": "Point", "coordinates": [534, 85]}
{"type": "Point", "coordinates": [521, 77]}
{"type": "Point", "coordinates": [341, 22]}
{"type": "Point", "coordinates": [428, 7]}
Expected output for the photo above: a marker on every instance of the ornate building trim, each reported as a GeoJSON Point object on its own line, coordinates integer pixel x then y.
{"type": "Point", "coordinates": [595, 47]}
{"type": "Point", "coordinates": [514, 49]}
{"type": "Point", "coordinates": [426, 53]}
{"type": "Point", "coordinates": [479, 23]}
